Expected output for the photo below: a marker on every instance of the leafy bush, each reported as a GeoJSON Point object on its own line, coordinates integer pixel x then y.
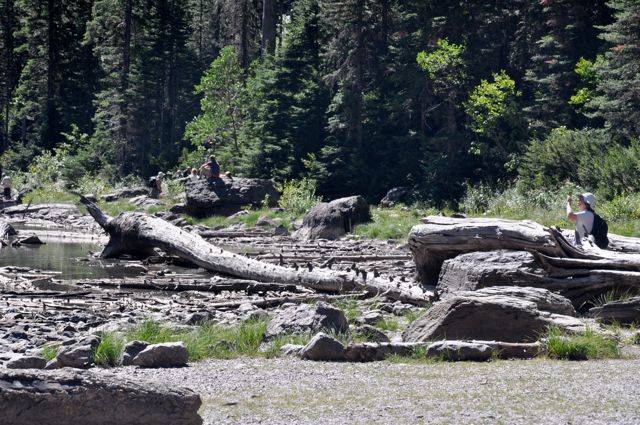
{"type": "Point", "coordinates": [564, 155]}
{"type": "Point", "coordinates": [298, 196]}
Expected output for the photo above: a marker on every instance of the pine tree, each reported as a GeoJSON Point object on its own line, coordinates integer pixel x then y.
{"type": "Point", "coordinates": [9, 67]}
{"type": "Point", "coordinates": [617, 98]}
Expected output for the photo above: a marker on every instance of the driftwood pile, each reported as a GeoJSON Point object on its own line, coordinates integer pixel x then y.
{"type": "Point", "coordinates": [469, 254]}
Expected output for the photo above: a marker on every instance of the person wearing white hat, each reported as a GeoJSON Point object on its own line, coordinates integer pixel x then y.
{"type": "Point", "coordinates": [583, 218]}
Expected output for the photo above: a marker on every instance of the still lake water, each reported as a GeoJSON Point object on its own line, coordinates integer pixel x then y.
{"type": "Point", "coordinates": [62, 257]}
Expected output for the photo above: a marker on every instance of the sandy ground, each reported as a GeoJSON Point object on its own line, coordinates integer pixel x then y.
{"type": "Point", "coordinates": [289, 391]}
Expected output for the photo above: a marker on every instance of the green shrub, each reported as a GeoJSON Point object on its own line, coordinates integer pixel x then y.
{"type": "Point", "coordinates": [585, 346]}
{"type": "Point", "coordinates": [390, 223]}
{"type": "Point", "coordinates": [298, 196]}
{"type": "Point", "coordinates": [564, 155]}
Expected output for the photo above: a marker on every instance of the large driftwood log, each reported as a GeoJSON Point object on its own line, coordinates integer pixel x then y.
{"type": "Point", "coordinates": [138, 234]}
{"type": "Point", "coordinates": [440, 238]}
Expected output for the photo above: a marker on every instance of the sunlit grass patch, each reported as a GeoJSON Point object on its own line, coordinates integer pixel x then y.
{"type": "Point", "coordinates": [49, 352]}
{"type": "Point", "coordinates": [390, 223]}
{"type": "Point", "coordinates": [584, 346]}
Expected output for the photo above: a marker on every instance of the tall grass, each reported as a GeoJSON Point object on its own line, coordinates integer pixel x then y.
{"type": "Point", "coordinates": [391, 223]}
{"type": "Point", "coordinates": [109, 352]}
{"type": "Point", "coordinates": [584, 346]}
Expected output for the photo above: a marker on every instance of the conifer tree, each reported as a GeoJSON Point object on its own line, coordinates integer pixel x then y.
{"type": "Point", "coordinates": [617, 98]}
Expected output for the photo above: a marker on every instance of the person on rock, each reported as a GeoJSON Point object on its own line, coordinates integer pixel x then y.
{"type": "Point", "coordinates": [194, 174]}
{"type": "Point", "coordinates": [584, 217]}
{"type": "Point", "coordinates": [210, 169]}
{"type": "Point", "coordinates": [6, 186]}
{"type": "Point", "coordinates": [156, 186]}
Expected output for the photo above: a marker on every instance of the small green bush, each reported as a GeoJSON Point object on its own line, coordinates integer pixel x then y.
{"type": "Point", "coordinates": [298, 196]}
{"type": "Point", "coordinates": [585, 346]}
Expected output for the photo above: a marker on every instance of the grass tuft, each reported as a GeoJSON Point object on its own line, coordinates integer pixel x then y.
{"type": "Point", "coordinates": [49, 352]}
{"type": "Point", "coordinates": [585, 346]}
{"type": "Point", "coordinates": [109, 352]}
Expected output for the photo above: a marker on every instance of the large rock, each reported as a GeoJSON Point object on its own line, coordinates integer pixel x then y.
{"type": "Point", "coordinates": [78, 355]}
{"type": "Point", "coordinates": [71, 397]}
{"type": "Point", "coordinates": [323, 347]}
{"type": "Point", "coordinates": [331, 220]}
{"type": "Point", "coordinates": [131, 350]}
{"type": "Point", "coordinates": [225, 196]}
{"type": "Point", "coordinates": [168, 354]}
{"type": "Point", "coordinates": [394, 195]}
{"type": "Point", "coordinates": [480, 269]}
{"type": "Point", "coordinates": [485, 317]}
{"type": "Point", "coordinates": [307, 318]}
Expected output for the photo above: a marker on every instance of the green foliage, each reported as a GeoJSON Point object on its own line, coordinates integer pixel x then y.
{"type": "Point", "coordinates": [445, 65]}
{"type": "Point", "coordinates": [298, 196]}
{"type": "Point", "coordinates": [491, 102]}
{"type": "Point", "coordinates": [390, 324]}
{"type": "Point", "coordinates": [564, 155]}
{"type": "Point", "coordinates": [586, 70]}
{"type": "Point", "coordinates": [109, 352]}
{"type": "Point", "coordinates": [585, 346]}
{"type": "Point", "coordinates": [223, 109]}
{"type": "Point", "coordinates": [611, 296]}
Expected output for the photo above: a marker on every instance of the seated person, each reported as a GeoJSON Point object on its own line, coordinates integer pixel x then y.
{"type": "Point", "coordinates": [211, 169]}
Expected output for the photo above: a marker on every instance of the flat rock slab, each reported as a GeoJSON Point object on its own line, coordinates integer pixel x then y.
{"type": "Point", "coordinates": [542, 298]}
{"type": "Point", "coordinates": [226, 196]}
{"type": "Point", "coordinates": [622, 311]}
{"type": "Point", "coordinates": [81, 397]}
{"type": "Point", "coordinates": [481, 269]}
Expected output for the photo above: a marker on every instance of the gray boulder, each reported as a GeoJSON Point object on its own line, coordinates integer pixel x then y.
{"type": "Point", "coordinates": [323, 348]}
{"type": "Point", "coordinates": [226, 196]}
{"type": "Point", "coordinates": [371, 351]}
{"type": "Point", "coordinates": [331, 220]}
{"type": "Point", "coordinates": [372, 334]}
{"type": "Point", "coordinates": [307, 318]}
{"type": "Point", "coordinates": [168, 354]}
{"type": "Point", "coordinates": [78, 355]}
{"type": "Point", "coordinates": [131, 350]}
{"type": "Point", "coordinates": [26, 362]}
{"type": "Point", "coordinates": [484, 317]}
{"type": "Point", "coordinates": [460, 351]}
{"type": "Point", "coordinates": [481, 269]}
{"type": "Point", "coordinates": [394, 195]}
{"type": "Point", "coordinates": [291, 350]}
{"type": "Point", "coordinates": [71, 397]}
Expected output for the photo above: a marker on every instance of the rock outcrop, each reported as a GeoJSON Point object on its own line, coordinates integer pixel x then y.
{"type": "Point", "coordinates": [226, 195]}
{"type": "Point", "coordinates": [331, 220]}
{"type": "Point", "coordinates": [71, 397]}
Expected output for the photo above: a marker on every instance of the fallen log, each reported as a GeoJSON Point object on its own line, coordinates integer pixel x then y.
{"type": "Point", "coordinates": [138, 234]}
{"type": "Point", "coordinates": [441, 238]}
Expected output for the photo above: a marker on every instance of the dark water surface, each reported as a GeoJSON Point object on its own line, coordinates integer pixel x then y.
{"type": "Point", "coordinates": [65, 258]}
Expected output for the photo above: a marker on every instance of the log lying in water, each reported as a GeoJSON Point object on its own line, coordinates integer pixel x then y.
{"type": "Point", "coordinates": [137, 234]}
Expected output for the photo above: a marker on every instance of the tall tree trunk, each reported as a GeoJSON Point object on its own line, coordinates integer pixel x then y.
{"type": "Point", "coordinates": [124, 82]}
{"type": "Point", "coordinates": [9, 73]}
{"type": "Point", "coordinates": [244, 34]}
{"type": "Point", "coordinates": [268, 26]}
{"type": "Point", "coordinates": [52, 54]}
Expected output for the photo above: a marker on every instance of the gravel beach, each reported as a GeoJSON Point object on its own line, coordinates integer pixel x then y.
{"type": "Point", "coordinates": [289, 391]}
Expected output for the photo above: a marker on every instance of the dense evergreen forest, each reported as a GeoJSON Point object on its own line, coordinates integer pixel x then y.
{"type": "Point", "coordinates": [358, 95]}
